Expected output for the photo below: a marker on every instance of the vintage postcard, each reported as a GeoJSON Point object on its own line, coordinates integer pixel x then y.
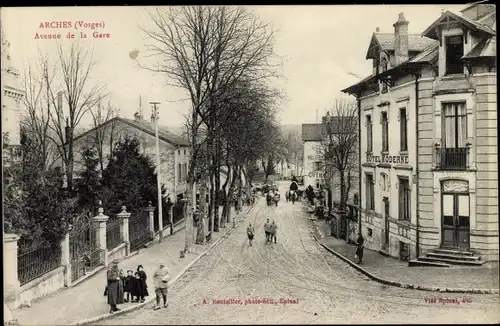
{"type": "Point", "coordinates": [250, 165]}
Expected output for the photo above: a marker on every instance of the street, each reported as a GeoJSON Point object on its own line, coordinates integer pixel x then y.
{"type": "Point", "coordinates": [225, 286]}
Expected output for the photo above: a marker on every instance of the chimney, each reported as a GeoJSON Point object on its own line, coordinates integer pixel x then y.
{"type": "Point", "coordinates": [401, 39]}
{"type": "Point", "coordinates": [377, 30]}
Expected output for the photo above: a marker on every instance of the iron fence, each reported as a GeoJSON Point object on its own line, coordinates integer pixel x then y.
{"type": "Point", "coordinates": [166, 215]}
{"type": "Point", "coordinates": [139, 233]}
{"type": "Point", "coordinates": [113, 234]}
{"type": "Point", "coordinates": [85, 254]}
{"type": "Point", "coordinates": [178, 212]}
{"type": "Point", "coordinates": [36, 258]}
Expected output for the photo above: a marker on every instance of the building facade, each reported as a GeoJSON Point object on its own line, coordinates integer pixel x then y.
{"type": "Point", "coordinates": [12, 102]}
{"type": "Point", "coordinates": [312, 137]}
{"type": "Point", "coordinates": [428, 142]}
{"type": "Point", "coordinates": [174, 150]}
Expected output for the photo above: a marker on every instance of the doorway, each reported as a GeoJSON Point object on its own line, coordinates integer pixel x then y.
{"type": "Point", "coordinates": [455, 220]}
{"type": "Point", "coordinates": [386, 222]}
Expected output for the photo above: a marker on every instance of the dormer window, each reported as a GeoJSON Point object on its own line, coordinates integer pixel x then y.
{"type": "Point", "coordinates": [384, 69]}
{"type": "Point", "coordinates": [454, 52]}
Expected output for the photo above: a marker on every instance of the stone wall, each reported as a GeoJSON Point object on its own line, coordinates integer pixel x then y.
{"type": "Point", "coordinates": [43, 285]}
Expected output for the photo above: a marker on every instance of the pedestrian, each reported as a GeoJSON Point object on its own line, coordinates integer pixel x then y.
{"type": "Point", "coordinates": [274, 229]}
{"type": "Point", "coordinates": [127, 286]}
{"type": "Point", "coordinates": [250, 233]}
{"type": "Point", "coordinates": [267, 229]}
{"type": "Point", "coordinates": [143, 283]}
{"type": "Point", "coordinates": [276, 198]}
{"type": "Point", "coordinates": [136, 287]}
{"type": "Point", "coordinates": [115, 287]}
{"type": "Point", "coordinates": [269, 198]}
{"type": "Point", "coordinates": [287, 196]}
{"type": "Point", "coordinates": [359, 248]}
{"type": "Point", "coordinates": [161, 278]}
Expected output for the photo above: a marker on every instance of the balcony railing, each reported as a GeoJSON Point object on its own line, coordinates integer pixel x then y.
{"type": "Point", "coordinates": [452, 158]}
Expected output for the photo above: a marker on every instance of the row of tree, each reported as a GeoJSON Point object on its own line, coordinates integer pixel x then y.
{"type": "Point", "coordinates": [223, 57]}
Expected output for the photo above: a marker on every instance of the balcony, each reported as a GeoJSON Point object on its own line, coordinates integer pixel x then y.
{"type": "Point", "coordinates": [452, 158]}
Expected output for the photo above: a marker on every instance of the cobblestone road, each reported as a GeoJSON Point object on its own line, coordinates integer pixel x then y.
{"type": "Point", "coordinates": [296, 268]}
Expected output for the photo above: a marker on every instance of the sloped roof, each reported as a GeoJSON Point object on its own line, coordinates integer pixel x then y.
{"type": "Point", "coordinates": [386, 42]}
{"type": "Point", "coordinates": [485, 48]}
{"type": "Point", "coordinates": [472, 4]}
{"type": "Point", "coordinates": [430, 32]}
{"type": "Point", "coordinates": [430, 54]}
{"type": "Point", "coordinates": [164, 133]}
{"type": "Point", "coordinates": [312, 131]}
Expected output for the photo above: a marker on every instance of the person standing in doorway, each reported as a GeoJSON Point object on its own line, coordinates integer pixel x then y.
{"type": "Point", "coordinates": [161, 279]}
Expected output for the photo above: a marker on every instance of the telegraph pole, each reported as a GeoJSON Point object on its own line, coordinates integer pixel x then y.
{"type": "Point", "coordinates": [155, 117]}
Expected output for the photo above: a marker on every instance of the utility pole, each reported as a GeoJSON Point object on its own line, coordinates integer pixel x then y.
{"type": "Point", "coordinates": [155, 118]}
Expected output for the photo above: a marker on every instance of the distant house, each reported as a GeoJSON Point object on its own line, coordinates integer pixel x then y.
{"type": "Point", "coordinates": [174, 150]}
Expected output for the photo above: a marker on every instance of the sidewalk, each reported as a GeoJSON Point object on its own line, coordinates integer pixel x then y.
{"type": "Point", "coordinates": [86, 300]}
{"type": "Point", "coordinates": [392, 270]}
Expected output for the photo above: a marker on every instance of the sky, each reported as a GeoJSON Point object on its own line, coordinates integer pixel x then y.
{"type": "Point", "coordinates": [323, 49]}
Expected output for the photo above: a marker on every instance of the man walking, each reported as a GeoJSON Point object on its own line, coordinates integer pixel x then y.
{"type": "Point", "coordinates": [161, 279]}
{"type": "Point", "coordinates": [273, 229]}
{"type": "Point", "coordinates": [250, 233]}
{"type": "Point", "coordinates": [267, 229]}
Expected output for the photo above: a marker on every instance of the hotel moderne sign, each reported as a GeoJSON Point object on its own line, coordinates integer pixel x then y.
{"type": "Point", "coordinates": [388, 159]}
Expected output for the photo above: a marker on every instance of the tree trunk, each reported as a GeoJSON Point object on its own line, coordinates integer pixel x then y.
{"type": "Point", "coordinates": [188, 216]}
{"type": "Point", "coordinates": [211, 206]}
{"type": "Point", "coordinates": [200, 234]}
{"type": "Point", "coordinates": [230, 196]}
{"type": "Point", "coordinates": [216, 206]}
{"type": "Point", "coordinates": [223, 217]}
{"type": "Point", "coordinates": [240, 189]}
{"type": "Point", "coordinates": [342, 190]}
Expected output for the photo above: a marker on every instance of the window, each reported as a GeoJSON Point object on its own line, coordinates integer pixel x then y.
{"type": "Point", "coordinates": [403, 133]}
{"type": "Point", "coordinates": [370, 232]}
{"type": "Point", "coordinates": [454, 47]}
{"type": "Point", "coordinates": [383, 181]}
{"type": "Point", "coordinates": [384, 68]}
{"type": "Point", "coordinates": [370, 193]}
{"type": "Point", "coordinates": [404, 199]}
{"type": "Point", "coordinates": [369, 131]}
{"type": "Point", "coordinates": [385, 132]}
{"type": "Point", "coordinates": [185, 172]}
{"type": "Point", "coordinates": [455, 125]}
{"type": "Point", "coordinates": [179, 152]}
{"type": "Point", "coordinates": [317, 166]}
{"type": "Point", "coordinates": [179, 173]}
{"type": "Point", "coordinates": [184, 152]}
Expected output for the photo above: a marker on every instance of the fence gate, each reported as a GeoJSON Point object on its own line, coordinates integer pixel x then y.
{"type": "Point", "coordinates": [83, 246]}
{"type": "Point", "coordinates": [139, 233]}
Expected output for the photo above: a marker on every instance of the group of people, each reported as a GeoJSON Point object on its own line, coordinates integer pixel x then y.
{"type": "Point", "coordinates": [272, 198]}
{"type": "Point", "coordinates": [270, 229]}
{"type": "Point", "coordinates": [133, 287]}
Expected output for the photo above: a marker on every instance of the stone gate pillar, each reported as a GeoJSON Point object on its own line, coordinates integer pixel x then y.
{"type": "Point", "coordinates": [12, 287]}
{"type": "Point", "coordinates": [66, 259]}
{"type": "Point", "coordinates": [124, 228]}
{"type": "Point", "coordinates": [151, 210]}
{"type": "Point", "coordinates": [101, 220]}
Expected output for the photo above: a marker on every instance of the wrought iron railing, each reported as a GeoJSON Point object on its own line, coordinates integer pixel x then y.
{"type": "Point", "coordinates": [85, 253]}
{"type": "Point", "coordinates": [139, 233]}
{"type": "Point", "coordinates": [113, 234]}
{"type": "Point", "coordinates": [36, 258]}
{"type": "Point", "coordinates": [452, 158]}
{"type": "Point", "coordinates": [178, 212]}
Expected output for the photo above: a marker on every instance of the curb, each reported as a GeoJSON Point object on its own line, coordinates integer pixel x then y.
{"type": "Point", "coordinates": [172, 282]}
{"type": "Point", "coordinates": [406, 286]}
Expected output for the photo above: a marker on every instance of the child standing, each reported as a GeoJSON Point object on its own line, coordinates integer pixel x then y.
{"type": "Point", "coordinates": [127, 285]}
{"type": "Point", "coordinates": [143, 284]}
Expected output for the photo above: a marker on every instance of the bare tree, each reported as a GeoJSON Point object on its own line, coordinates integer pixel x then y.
{"type": "Point", "coordinates": [100, 116]}
{"type": "Point", "coordinates": [205, 50]}
{"type": "Point", "coordinates": [36, 121]}
{"type": "Point", "coordinates": [75, 66]}
{"type": "Point", "coordinates": [340, 145]}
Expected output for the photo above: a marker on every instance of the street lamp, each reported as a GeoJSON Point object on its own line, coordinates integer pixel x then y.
{"type": "Point", "coordinates": [154, 118]}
